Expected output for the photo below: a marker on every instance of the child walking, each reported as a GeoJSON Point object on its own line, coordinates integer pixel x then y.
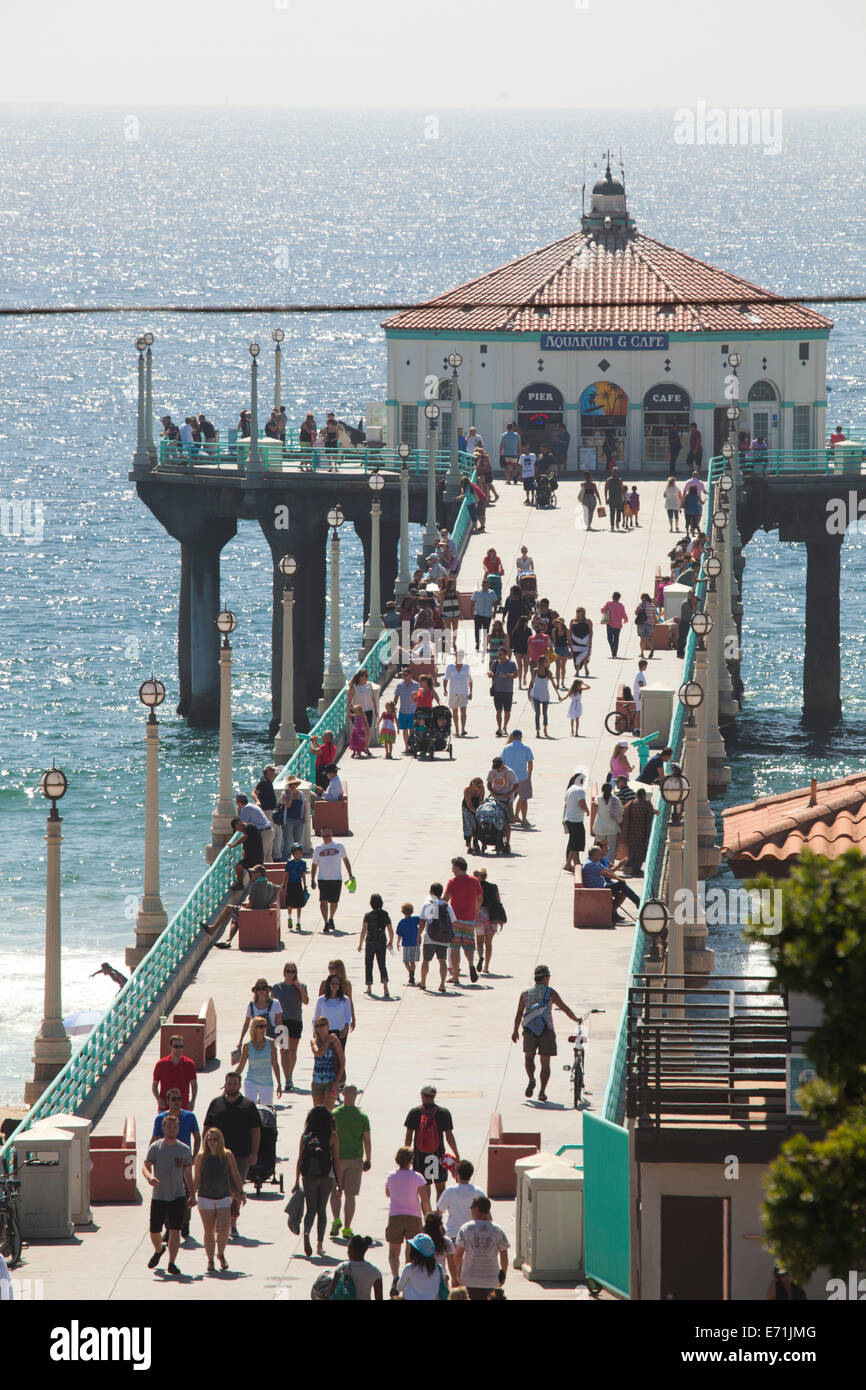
{"type": "Point", "coordinates": [407, 935]}
{"type": "Point", "coordinates": [575, 705]}
{"type": "Point", "coordinates": [359, 731]}
{"type": "Point", "coordinates": [388, 729]}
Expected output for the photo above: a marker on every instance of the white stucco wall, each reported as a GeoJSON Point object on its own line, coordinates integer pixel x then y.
{"type": "Point", "coordinates": [490, 382]}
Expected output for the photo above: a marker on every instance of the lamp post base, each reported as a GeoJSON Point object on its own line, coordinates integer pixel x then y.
{"type": "Point", "coordinates": [221, 832]}
{"type": "Point", "coordinates": [50, 1055]}
{"type": "Point", "coordinates": [285, 743]}
{"type": "Point", "coordinates": [331, 688]}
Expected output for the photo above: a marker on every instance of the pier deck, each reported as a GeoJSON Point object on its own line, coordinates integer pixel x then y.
{"type": "Point", "coordinates": [405, 819]}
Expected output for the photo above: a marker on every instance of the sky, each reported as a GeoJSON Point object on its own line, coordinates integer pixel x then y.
{"type": "Point", "coordinates": [438, 54]}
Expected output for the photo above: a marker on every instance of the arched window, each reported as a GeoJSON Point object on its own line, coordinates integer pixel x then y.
{"type": "Point", "coordinates": [665, 408]}
{"type": "Point", "coordinates": [763, 391]}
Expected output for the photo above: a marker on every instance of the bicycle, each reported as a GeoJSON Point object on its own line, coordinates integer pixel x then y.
{"type": "Point", "coordinates": [578, 1074]}
{"type": "Point", "coordinates": [10, 1227]}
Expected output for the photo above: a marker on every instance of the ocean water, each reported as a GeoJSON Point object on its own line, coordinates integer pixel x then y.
{"type": "Point", "coordinates": [249, 207]}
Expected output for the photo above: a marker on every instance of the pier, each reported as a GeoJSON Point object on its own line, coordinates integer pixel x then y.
{"type": "Point", "coordinates": [405, 821]}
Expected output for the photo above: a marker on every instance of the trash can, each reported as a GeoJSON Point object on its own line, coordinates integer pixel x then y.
{"type": "Point", "coordinates": [847, 457]}
{"type": "Point", "coordinates": [656, 713]}
{"type": "Point", "coordinates": [675, 596]}
{"type": "Point", "coordinates": [79, 1172]}
{"type": "Point", "coordinates": [521, 1167]}
{"type": "Point", "coordinates": [45, 1204]}
{"type": "Point", "coordinates": [553, 1222]}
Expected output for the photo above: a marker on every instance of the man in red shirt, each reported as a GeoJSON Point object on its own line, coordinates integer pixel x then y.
{"type": "Point", "coordinates": [175, 1073]}
{"type": "Point", "coordinates": [464, 893]}
{"type": "Point", "coordinates": [536, 647]}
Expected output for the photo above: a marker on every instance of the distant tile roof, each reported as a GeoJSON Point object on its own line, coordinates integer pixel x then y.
{"type": "Point", "coordinates": [768, 835]}
{"type": "Point", "coordinates": [596, 267]}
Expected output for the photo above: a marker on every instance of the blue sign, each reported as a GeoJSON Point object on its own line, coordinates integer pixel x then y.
{"type": "Point", "coordinates": [604, 342]}
{"type": "Point", "coordinates": [800, 1071]}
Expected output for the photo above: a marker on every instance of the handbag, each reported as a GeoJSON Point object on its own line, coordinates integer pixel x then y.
{"type": "Point", "coordinates": [306, 897]}
{"type": "Point", "coordinates": [295, 1211]}
{"type": "Point", "coordinates": [604, 620]}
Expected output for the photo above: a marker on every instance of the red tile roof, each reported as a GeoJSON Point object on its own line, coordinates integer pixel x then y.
{"type": "Point", "coordinates": [769, 834]}
{"type": "Point", "coordinates": [595, 268]}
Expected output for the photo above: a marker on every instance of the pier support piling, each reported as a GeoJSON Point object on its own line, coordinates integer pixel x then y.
{"type": "Point", "coordinates": [822, 704]}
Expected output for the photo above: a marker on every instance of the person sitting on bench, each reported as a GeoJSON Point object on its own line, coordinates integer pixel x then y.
{"type": "Point", "coordinates": [594, 875]}
{"type": "Point", "coordinates": [258, 893]}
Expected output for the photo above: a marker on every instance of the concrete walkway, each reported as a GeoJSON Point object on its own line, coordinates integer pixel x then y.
{"type": "Point", "coordinates": [406, 826]}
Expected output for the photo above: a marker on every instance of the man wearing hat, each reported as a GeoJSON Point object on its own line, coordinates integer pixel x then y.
{"type": "Point", "coordinates": [428, 1127]}
{"type": "Point", "coordinates": [535, 1011]}
{"type": "Point", "coordinates": [288, 819]}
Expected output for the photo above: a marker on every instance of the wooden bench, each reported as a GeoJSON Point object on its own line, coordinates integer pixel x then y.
{"type": "Point", "coordinates": [198, 1031]}
{"type": "Point", "coordinates": [593, 907]}
{"type": "Point", "coordinates": [665, 635]}
{"type": "Point", "coordinates": [503, 1151]}
{"type": "Point", "coordinates": [113, 1165]}
{"type": "Point", "coordinates": [259, 928]}
{"type": "Point", "coordinates": [334, 814]}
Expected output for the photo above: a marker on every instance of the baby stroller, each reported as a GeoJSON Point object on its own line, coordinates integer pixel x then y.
{"type": "Point", "coordinates": [490, 821]}
{"type": "Point", "coordinates": [528, 584]}
{"type": "Point", "coordinates": [264, 1169]}
{"type": "Point", "coordinates": [545, 490]}
{"type": "Point", "coordinates": [431, 732]}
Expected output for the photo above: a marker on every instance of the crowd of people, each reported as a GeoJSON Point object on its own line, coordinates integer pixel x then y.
{"type": "Point", "coordinates": [442, 1241]}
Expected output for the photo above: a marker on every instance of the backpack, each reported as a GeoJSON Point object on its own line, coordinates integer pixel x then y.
{"type": "Point", "coordinates": [427, 1138]}
{"type": "Point", "coordinates": [315, 1158]}
{"type": "Point", "coordinates": [440, 930]}
{"type": "Point", "coordinates": [323, 1287]}
{"type": "Point", "coordinates": [343, 1285]}
{"type": "Point", "coordinates": [535, 1017]}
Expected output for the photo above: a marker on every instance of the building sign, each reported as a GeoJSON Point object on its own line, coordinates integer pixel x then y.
{"type": "Point", "coordinates": [540, 397]}
{"type": "Point", "coordinates": [800, 1071]}
{"type": "Point", "coordinates": [603, 398]}
{"type": "Point", "coordinates": [604, 342]}
{"type": "Point", "coordinates": [666, 398]}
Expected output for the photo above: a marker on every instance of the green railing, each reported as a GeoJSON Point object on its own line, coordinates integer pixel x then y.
{"type": "Point", "coordinates": [776, 463]}
{"type": "Point", "coordinates": [277, 457]}
{"type": "Point", "coordinates": [613, 1105]}
{"type": "Point", "coordinates": [84, 1071]}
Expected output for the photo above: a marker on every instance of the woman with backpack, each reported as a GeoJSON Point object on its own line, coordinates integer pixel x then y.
{"type": "Point", "coordinates": [357, 1278]}
{"type": "Point", "coordinates": [317, 1151]}
{"type": "Point", "coordinates": [645, 617]}
{"type": "Point", "coordinates": [491, 916]}
{"type": "Point", "coordinates": [329, 1061]}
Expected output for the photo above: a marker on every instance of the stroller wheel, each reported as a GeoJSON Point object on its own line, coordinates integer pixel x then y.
{"type": "Point", "coordinates": [450, 750]}
{"type": "Point", "coordinates": [281, 1182]}
{"type": "Point", "coordinates": [258, 1188]}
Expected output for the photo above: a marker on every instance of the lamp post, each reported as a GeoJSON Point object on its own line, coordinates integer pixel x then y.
{"type": "Point", "coordinates": [452, 487]}
{"type": "Point", "coordinates": [151, 918]}
{"type": "Point", "coordinates": [287, 740]}
{"type": "Point", "coordinates": [278, 335]}
{"type": "Point", "coordinates": [51, 1048]}
{"type": "Point", "coordinates": [702, 626]}
{"type": "Point", "coordinates": [675, 791]}
{"type": "Point", "coordinates": [431, 535]}
{"type": "Point", "coordinates": [335, 676]}
{"type": "Point", "coordinates": [373, 627]}
{"type": "Point", "coordinates": [401, 588]}
{"type": "Point", "coordinates": [221, 820]}
{"type": "Point", "coordinates": [734, 362]}
{"type": "Point", "coordinates": [691, 697]}
{"type": "Point", "coordinates": [718, 773]}
{"type": "Point", "coordinates": [141, 458]}
{"type": "Point", "coordinates": [254, 462]}
{"type": "Point", "coordinates": [728, 705]}
{"type": "Point", "coordinates": [148, 398]}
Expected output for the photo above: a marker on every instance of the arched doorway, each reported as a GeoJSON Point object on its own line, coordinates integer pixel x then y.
{"type": "Point", "coordinates": [764, 413]}
{"type": "Point", "coordinates": [540, 413]}
{"type": "Point", "coordinates": [665, 407]}
{"type": "Point", "coordinates": [603, 415]}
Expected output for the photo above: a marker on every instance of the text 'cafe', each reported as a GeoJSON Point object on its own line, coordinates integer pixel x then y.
{"type": "Point", "coordinates": [625, 380]}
